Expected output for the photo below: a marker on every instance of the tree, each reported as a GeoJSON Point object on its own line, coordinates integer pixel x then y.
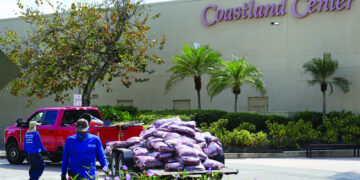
{"type": "Point", "coordinates": [233, 74]}
{"type": "Point", "coordinates": [80, 46]}
{"type": "Point", "coordinates": [194, 62]}
{"type": "Point", "coordinates": [322, 71]}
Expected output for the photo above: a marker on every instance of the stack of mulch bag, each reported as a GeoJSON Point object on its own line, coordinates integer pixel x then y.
{"type": "Point", "coordinates": [174, 145]}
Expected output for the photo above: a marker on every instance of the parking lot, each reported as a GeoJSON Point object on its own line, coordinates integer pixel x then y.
{"type": "Point", "coordinates": [249, 169]}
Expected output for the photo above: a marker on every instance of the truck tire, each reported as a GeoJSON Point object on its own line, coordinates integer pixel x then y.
{"type": "Point", "coordinates": [13, 154]}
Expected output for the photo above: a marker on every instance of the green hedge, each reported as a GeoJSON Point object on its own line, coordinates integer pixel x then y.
{"type": "Point", "coordinates": [314, 117]}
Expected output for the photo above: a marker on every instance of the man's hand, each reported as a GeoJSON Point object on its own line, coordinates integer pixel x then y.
{"type": "Point", "coordinates": [106, 170]}
{"type": "Point", "coordinates": [63, 177]}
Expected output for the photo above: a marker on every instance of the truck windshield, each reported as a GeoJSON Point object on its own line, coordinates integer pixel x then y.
{"type": "Point", "coordinates": [71, 116]}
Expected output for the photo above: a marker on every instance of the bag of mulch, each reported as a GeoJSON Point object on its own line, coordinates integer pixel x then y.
{"type": "Point", "coordinates": [188, 141]}
{"type": "Point", "coordinates": [199, 167]}
{"type": "Point", "coordinates": [153, 154]}
{"type": "Point", "coordinates": [160, 134]}
{"type": "Point", "coordinates": [190, 124]}
{"type": "Point", "coordinates": [121, 144]}
{"type": "Point", "coordinates": [181, 129]}
{"type": "Point", "coordinates": [199, 137]}
{"type": "Point", "coordinates": [207, 136]}
{"type": "Point", "coordinates": [146, 162]}
{"type": "Point", "coordinates": [147, 133]}
{"type": "Point", "coordinates": [162, 147]}
{"type": "Point", "coordinates": [183, 150]}
{"type": "Point", "coordinates": [108, 151]}
{"type": "Point", "coordinates": [176, 166]}
{"type": "Point", "coordinates": [160, 122]}
{"type": "Point", "coordinates": [140, 152]}
{"type": "Point", "coordinates": [202, 145]}
{"type": "Point", "coordinates": [212, 150]}
{"type": "Point", "coordinates": [212, 164]}
{"type": "Point", "coordinates": [171, 160]}
{"type": "Point", "coordinates": [197, 130]}
{"type": "Point", "coordinates": [173, 142]}
{"type": "Point", "coordinates": [189, 160]}
{"type": "Point", "coordinates": [200, 152]}
{"type": "Point", "coordinates": [138, 145]}
{"type": "Point", "coordinates": [172, 135]}
{"type": "Point", "coordinates": [164, 156]}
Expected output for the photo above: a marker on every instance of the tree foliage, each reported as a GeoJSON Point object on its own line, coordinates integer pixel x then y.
{"type": "Point", "coordinates": [233, 74]}
{"type": "Point", "coordinates": [193, 62]}
{"type": "Point", "coordinates": [322, 71]}
{"type": "Point", "coordinates": [80, 46]}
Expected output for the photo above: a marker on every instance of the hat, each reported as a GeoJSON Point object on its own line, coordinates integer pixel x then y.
{"type": "Point", "coordinates": [82, 125]}
{"type": "Point", "coordinates": [32, 126]}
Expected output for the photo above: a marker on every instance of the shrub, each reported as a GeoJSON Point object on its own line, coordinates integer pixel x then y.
{"type": "Point", "coordinates": [293, 134]}
{"type": "Point", "coordinates": [208, 116]}
{"type": "Point", "coordinates": [314, 117]}
{"type": "Point", "coordinates": [113, 114]}
{"type": "Point", "coordinates": [235, 119]}
{"type": "Point", "coordinates": [342, 128]}
{"type": "Point", "coordinates": [246, 126]}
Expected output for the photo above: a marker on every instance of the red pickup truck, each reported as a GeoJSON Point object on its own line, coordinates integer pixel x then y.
{"type": "Point", "coordinates": [58, 123]}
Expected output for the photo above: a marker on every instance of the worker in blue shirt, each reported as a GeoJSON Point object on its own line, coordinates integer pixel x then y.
{"type": "Point", "coordinates": [80, 153]}
{"type": "Point", "coordinates": [33, 147]}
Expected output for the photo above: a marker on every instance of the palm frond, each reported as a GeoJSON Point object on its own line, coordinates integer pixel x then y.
{"type": "Point", "coordinates": [341, 83]}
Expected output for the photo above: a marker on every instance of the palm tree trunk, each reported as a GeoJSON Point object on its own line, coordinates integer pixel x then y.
{"type": "Point", "coordinates": [324, 103]}
{"type": "Point", "coordinates": [235, 106]}
{"type": "Point", "coordinates": [199, 101]}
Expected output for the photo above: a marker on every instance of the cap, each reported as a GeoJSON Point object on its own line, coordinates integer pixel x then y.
{"type": "Point", "coordinates": [32, 126]}
{"type": "Point", "coordinates": [82, 125]}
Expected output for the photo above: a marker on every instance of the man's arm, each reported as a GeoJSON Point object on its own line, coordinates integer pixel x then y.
{"type": "Point", "coordinates": [100, 154]}
{"type": "Point", "coordinates": [65, 158]}
{"type": "Point", "coordinates": [38, 142]}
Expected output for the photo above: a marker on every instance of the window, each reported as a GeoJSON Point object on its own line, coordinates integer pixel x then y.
{"type": "Point", "coordinates": [259, 104]}
{"type": "Point", "coordinates": [37, 117]}
{"type": "Point", "coordinates": [182, 104]}
{"type": "Point", "coordinates": [50, 118]}
{"type": "Point", "coordinates": [71, 116]}
{"type": "Point", "coordinates": [128, 102]}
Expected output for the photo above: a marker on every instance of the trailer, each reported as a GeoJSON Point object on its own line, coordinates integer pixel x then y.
{"type": "Point", "coordinates": [123, 156]}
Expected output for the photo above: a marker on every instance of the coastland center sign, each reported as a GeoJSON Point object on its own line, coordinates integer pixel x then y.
{"type": "Point", "coordinates": [250, 10]}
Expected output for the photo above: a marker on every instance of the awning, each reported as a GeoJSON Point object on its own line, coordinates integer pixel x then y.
{"type": "Point", "coordinates": [8, 70]}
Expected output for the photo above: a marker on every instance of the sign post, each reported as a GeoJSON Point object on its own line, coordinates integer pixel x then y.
{"type": "Point", "coordinates": [77, 100]}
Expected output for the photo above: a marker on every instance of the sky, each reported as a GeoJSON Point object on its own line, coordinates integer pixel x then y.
{"type": "Point", "coordinates": [8, 8]}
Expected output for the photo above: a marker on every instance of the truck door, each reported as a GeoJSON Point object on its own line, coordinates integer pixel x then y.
{"type": "Point", "coordinates": [47, 130]}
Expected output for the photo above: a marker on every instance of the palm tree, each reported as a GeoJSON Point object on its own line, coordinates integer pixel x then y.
{"type": "Point", "coordinates": [192, 63]}
{"type": "Point", "coordinates": [233, 74]}
{"type": "Point", "coordinates": [321, 71]}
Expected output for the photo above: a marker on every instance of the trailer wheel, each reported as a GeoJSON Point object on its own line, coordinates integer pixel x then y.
{"type": "Point", "coordinates": [116, 163]}
{"type": "Point", "coordinates": [13, 154]}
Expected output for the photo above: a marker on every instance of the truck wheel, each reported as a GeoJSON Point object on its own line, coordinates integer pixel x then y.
{"type": "Point", "coordinates": [55, 157]}
{"type": "Point", "coordinates": [13, 154]}
{"type": "Point", "coordinates": [116, 163]}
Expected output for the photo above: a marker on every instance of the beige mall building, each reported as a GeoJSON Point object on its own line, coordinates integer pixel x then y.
{"type": "Point", "coordinates": [277, 36]}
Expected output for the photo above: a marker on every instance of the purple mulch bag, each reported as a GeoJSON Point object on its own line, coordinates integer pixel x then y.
{"type": "Point", "coordinates": [190, 160]}
{"type": "Point", "coordinates": [199, 137]}
{"type": "Point", "coordinates": [188, 141]}
{"type": "Point", "coordinates": [202, 145]}
{"type": "Point", "coordinates": [164, 156]}
{"type": "Point", "coordinates": [122, 144]}
{"type": "Point", "coordinates": [162, 147]}
{"type": "Point", "coordinates": [212, 150]}
{"type": "Point", "coordinates": [153, 154]}
{"type": "Point", "coordinates": [108, 151]}
{"type": "Point", "coordinates": [181, 130]}
{"type": "Point", "coordinates": [145, 162]}
{"type": "Point", "coordinates": [183, 150]}
{"type": "Point", "coordinates": [213, 165]}
{"type": "Point", "coordinates": [176, 166]}
{"type": "Point", "coordinates": [207, 136]}
{"type": "Point", "coordinates": [171, 160]}
{"type": "Point", "coordinates": [172, 135]}
{"type": "Point", "coordinates": [197, 130]}
{"type": "Point", "coordinates": [141, 152]}
{"type": "Point", "coordinates": [160, 134]}
{"type": "Point", "coordinates": [160, 122]}
{"type": "Point", "coordinates": [190, 124]}
{"type": "Point", "coordinates": [138, 145]}
{"type": "Point", "coordinates": [200, 152]}
{"type": "Point", "coordinates": [199, 167]}
{"type": "Point", "coordinates": [147, 133]}
{"type": "Point", "coordinates": [173, 142]}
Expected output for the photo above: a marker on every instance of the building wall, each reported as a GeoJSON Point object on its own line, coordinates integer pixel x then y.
{"type": "Point", "coordinates": [278, 50]}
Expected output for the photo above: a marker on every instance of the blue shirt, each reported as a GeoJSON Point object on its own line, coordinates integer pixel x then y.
{"type": "Point", "coordinates": [80, 156]}
{"type": "Point", "coordinates": [32, 143]}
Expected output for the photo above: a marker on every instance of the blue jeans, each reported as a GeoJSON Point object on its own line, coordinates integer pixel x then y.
{"type": "Point", "coordinates": [37, 165]}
